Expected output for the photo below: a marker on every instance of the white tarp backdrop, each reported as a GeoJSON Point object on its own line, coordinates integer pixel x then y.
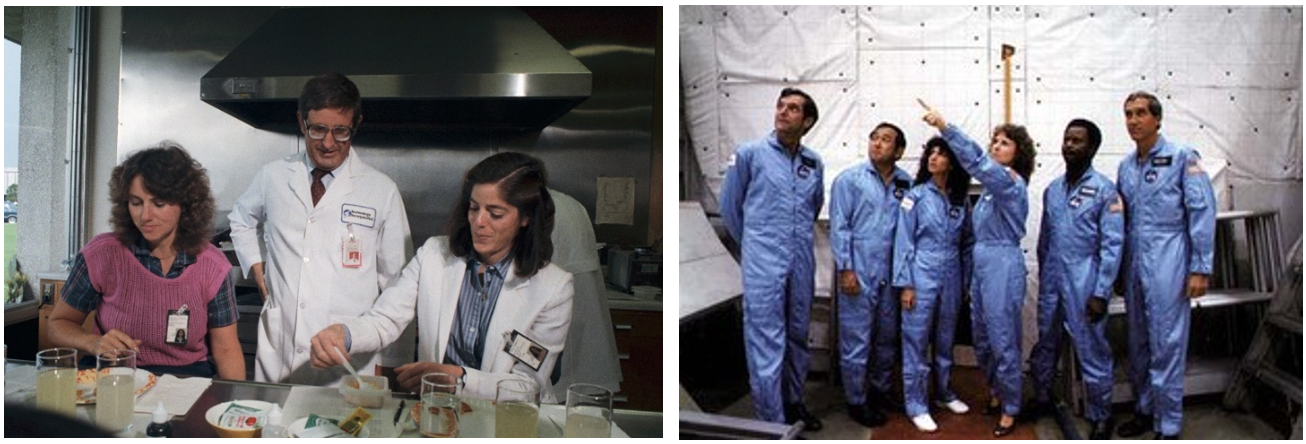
{"type": "Point", "coordinates": [1229, 79]}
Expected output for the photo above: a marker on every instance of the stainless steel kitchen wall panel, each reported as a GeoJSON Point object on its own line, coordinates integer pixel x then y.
{"type": "Point", "coordinates": [167, 50]}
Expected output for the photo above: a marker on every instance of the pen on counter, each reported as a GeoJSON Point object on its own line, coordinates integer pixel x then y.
{"type": "Point", "coordinates": [400, 411]}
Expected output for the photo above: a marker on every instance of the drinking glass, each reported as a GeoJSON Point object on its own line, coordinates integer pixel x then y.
{"type": "Point", "coordinates": [441, 399]}
{"type": "Point", "coordinates": [115, 389]}
{"type": "Point", "coordinates": [516, 409]}
{"type": "Point", "coordinates": [589, 412]}
{"type": "Point", "coordinates": [56, 380]}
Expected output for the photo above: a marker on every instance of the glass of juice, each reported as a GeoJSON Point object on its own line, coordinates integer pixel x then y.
{"type": "Point", "coordinates": [589, 412]}
{"type": "Point", "coordinates": [441, 394]}
{"type": "Point", "coordinates": [56, 380]}
{"type": "Point", "coordinates": [115, 389]}
{"type": "Point", "coordinates": [516, 409]}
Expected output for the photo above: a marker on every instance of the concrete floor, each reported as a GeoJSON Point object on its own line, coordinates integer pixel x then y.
{"type": "Point", "coordinates": [1203, 418]}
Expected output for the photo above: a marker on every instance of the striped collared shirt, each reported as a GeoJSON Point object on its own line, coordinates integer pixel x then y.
{"type": "Point", "coordinates": [476, 302]}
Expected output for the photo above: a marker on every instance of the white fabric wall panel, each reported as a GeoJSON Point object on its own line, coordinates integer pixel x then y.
{"type": "Point", "coordinates": [698, 73]}
{"type": "Point", "coordinates": [1229, 78]}
{"type": "Point", "coordinates": [913, 27]}
{"type": "Point", "coordinates": [786, 44]}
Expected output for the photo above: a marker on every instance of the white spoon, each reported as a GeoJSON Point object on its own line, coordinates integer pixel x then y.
{"type": "Point", "coordinates": [345, 362]}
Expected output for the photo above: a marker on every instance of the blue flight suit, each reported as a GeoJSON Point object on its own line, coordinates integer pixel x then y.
{"type": "Point", "coordinates": [863, 214]}
{"type": "Point", "coordinates": [1170, 232]}
{"type": "Point", "coordinates": [927, 256]}
{"type": "Point", "coordinates": [1079, 245]}
{"type": "Point", "coordinates": [998, 282]}
{"type": "Point", "coordinates": [770, 202]}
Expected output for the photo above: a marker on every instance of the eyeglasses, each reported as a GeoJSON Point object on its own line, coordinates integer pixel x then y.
{"type": "Point", "coordinates": [319, 132]}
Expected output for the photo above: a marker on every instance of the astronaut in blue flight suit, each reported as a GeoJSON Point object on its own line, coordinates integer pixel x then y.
{"type": "Point", "coordinates": [998, 285]}
{"type": "Point", "coordinates": [772, 195]}
{"type": "Point", "coordinates": [927, 263]}
{"type": "Point", "coordinates": [863, 213]}
{"type": "Point", "coordinates": [1169, 247]}
{"type": "Point", "coordinates": [1079, 244]}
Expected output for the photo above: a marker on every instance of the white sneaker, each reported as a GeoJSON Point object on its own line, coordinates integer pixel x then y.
{"type": "Point", "coordinates": [956, 406]}
{"type": "Point", "coordinates": [925, 423]}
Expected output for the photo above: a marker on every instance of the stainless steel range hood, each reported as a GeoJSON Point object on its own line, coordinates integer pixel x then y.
{"type": "Point", "coordinates": [417, 68]}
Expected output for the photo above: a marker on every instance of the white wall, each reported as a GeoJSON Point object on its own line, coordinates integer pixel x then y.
{"type": "Point", "coordinates": [1229, 79]}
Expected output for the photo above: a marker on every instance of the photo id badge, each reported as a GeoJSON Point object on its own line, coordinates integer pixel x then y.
{"type": "Point", "coordinates": [352, 253]}
{"type": "Point", "coordinates": [178, 321]}
{"type": "Point", "coordinates": [525, 350]}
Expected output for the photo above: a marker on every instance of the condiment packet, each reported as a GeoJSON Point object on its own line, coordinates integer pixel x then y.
{"type": "Point", "coordinates": [242, 417]}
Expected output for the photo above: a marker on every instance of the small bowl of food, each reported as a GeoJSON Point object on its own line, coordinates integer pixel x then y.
{"type": "Point", "coordinates": [242, 418]}
{"type": "Point", "coordinates": [370, 392]}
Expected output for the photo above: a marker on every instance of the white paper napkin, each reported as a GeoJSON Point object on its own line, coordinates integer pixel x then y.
{"type": "Point", "coordinates": [177, 394]}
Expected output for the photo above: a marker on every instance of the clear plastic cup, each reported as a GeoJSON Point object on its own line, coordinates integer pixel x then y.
{"type": "Point", "coordinates": [516, 409]}
{"type": "Point", "coordinates": [56, 380]}
{"type": "Point", "coordinates": [441, 402]}
{"type": "Point", "coordinates": [115, 389]}
{"type": "Point", "coordinates": [589, 412]}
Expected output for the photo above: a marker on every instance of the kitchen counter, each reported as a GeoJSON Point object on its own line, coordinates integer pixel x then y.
{"type": "Point", "coordinates": [626, 423]}
{"type": "Point", "coordinates": [620, 300]}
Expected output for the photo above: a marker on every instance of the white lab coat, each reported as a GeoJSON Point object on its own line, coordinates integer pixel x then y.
{"type": "Point", "coordinates": [538, 307]}
{"type": "Point", "coordinates": [302, 248]}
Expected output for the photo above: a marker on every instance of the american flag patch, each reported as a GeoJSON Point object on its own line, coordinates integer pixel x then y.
{"type": "Point", "coordinates": [1118, 206]}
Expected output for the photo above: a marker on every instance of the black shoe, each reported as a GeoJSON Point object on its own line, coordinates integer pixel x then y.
{"type": "Point", "coordinates": [885, 403]}
{"type": "Point", "coordinates": [798, 412]}
{"type": "Point", "coordinates": [1101, 430]}
{"type": "Point", "coordinates": [1037, 409]}
{"type": "Point", "coordinates": [993, 407]}
{"type": "Point", "coordinates": [1139, 425]}
{"type": "Point", "coordinates": [1160, 436]}
{"type": "Point", "coordinates": [865, 415]}
{"type": "Point", "coordinates": [1000, 431]}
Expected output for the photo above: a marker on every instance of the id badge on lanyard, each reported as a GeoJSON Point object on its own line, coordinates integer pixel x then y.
{"type": "Point", "coordinates": [178, 321]}
{"type": "Point", "coordinates": [351, 251]}
{"type": "Point", "coordinates": [525, 349]}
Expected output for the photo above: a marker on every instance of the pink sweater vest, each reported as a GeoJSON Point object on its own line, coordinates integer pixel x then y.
{"type": "Point", "coordinates": [137, 301]}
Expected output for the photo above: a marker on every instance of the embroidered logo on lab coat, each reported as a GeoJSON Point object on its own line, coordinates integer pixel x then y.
{"type": "Point", "coordinates": [358, 215]}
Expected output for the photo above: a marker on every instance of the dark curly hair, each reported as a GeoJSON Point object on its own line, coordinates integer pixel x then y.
{"type": "Point", "coordinates": [521, 179]}
{"type": "Point", "coordinates": [171, 175]}
{"type": "Point", "coordinates": [958, 179]}
{"type": "Point", "coordinates": [1023, 163]}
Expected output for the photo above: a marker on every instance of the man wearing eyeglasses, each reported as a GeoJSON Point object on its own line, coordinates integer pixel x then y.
{"type": "Point", "coordinates": [334, 233]}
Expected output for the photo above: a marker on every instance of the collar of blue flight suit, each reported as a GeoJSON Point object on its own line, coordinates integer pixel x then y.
{"type": "Point", "coordinates": [1082, 177]}
{"type": "Point", "coordinates": [774, 141]}
{"type": "Point", "coordinates": [1151, 153]}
